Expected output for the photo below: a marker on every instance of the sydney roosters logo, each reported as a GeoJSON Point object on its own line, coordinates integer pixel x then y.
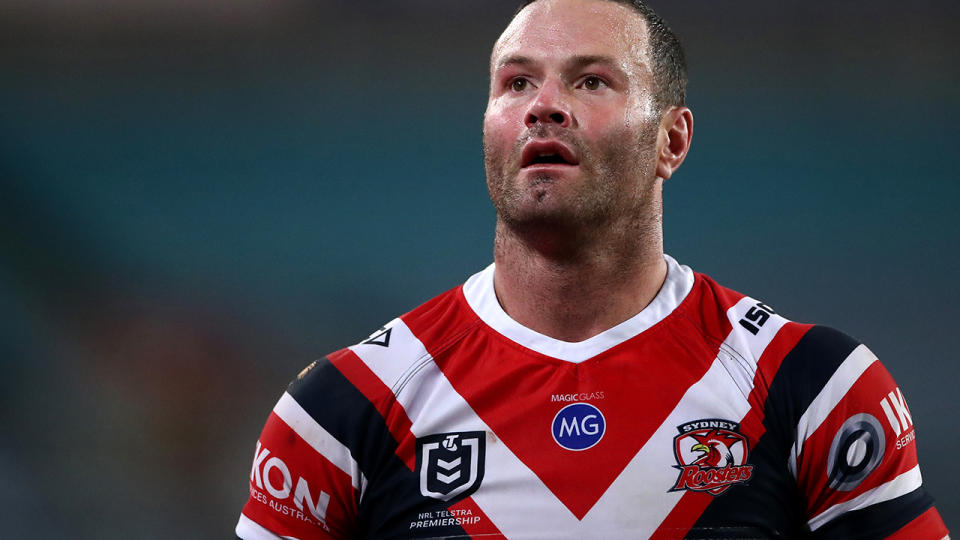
{"type": "Point", "coordinates": [711, 455]}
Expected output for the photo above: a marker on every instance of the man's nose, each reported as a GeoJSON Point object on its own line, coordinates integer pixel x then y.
{"type": "Point", "coordinates": [549, 107]}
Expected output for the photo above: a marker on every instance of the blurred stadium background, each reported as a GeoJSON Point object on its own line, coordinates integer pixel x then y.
{"type": "Point", "coordinates": [197, 198]}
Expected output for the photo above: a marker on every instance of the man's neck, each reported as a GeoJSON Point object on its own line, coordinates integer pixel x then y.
{"type": "Point", "coordinates": [576, 295]}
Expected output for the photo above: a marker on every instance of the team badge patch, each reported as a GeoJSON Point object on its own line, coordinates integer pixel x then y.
{"type": "Point", "coordinates": [450, 465]}
{"type": "Point", "coordinates": [711, 455]}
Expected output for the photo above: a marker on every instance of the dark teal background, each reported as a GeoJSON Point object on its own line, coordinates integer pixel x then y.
{"type": "Point", "coordinates": [199, 198]}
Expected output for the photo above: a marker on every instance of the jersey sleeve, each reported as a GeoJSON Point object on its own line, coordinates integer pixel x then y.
{"type": "Point", "coordinates": [304, 482]}
{"type": "Point", "coordinates": [855, 457]}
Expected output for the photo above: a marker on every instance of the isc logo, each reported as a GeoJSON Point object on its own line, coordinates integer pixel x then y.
{"type": "Point", "coordinates": [578, 426]}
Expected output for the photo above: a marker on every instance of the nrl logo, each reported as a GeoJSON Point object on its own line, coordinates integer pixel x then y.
{"type": "Point", "coordinates": [450, 465]}
{"type": "Point", "coordinates": [711, 455]}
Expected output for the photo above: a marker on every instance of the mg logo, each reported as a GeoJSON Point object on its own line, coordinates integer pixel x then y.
{"type": "Point", "coordinates": [578, 426]}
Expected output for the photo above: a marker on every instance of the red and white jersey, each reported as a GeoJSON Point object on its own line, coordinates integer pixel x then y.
{"type": "Point", "coordinates": [705, 415]}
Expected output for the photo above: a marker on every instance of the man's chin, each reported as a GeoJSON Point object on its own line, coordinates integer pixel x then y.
{"type": "Point", "coordinates": [540, 210]}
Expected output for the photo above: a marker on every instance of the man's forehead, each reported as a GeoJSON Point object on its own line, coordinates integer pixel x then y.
{"type": "Point", "coordinates": [583, 27]}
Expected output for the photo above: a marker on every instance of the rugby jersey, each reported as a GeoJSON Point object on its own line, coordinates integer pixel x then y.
{"type": "Point", "coordinates": [705, 415]}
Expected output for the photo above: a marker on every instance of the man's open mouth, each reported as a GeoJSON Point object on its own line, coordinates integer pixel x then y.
{"type": "Point", "coordinates": [547, 153]}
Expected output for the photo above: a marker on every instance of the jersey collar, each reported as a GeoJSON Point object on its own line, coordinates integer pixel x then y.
{"type": "Point", "coordinates": [478, 291]}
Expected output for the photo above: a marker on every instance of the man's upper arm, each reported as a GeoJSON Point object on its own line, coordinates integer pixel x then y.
{"type": "Point", "coordinates": [304, 483]}
{"type": "Point", "coordinates": [855, 457]}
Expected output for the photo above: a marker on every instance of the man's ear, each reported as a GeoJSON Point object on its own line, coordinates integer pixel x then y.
{"type": "Point", "coordinates": [673, 140]}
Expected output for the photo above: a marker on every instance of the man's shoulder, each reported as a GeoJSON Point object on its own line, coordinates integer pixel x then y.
{"type": "Point", "coordinates": [831, 412]}
{"type": "Point", "coordinates": [401, 346]}
{"type": "Point", "coordinates": [756, 327]}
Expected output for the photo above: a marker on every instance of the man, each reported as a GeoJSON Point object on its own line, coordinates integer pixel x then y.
{"type": "Point", "coordinates": [586, 385]}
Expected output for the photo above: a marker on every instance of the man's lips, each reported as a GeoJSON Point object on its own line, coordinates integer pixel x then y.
{"type": "Point", "coordinates": [537, 153]}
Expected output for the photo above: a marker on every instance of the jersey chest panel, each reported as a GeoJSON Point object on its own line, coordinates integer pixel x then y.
{"type": "Point", "coordinates": [575, 449]}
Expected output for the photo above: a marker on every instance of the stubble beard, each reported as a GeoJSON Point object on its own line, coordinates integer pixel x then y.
{"type": "Point", "coordinates": [591, 205]}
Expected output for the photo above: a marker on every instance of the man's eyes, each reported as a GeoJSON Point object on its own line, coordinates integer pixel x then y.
{"type": "Point", "coordinates": [590, 82]}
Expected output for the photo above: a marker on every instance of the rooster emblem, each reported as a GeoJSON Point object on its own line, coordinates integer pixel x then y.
{"type": "Point", "coordinates": [711, 456]}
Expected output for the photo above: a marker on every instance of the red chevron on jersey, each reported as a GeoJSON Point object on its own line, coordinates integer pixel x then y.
{"type": "Point", "coordinates": [541, 385]}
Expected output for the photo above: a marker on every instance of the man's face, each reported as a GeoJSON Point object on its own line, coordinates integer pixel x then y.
{"type": "Point", "coordinates": [570, 130]}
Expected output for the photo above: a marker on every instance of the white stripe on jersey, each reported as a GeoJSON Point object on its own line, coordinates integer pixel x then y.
{"type": "Point", "coordinates": [743, 347]}
{"type": "Point", "coordinates": [319, 439]}
{"type": "Point", "coordinates": [433, 405]}
{"type": "Point", "coordinates": [832, 393]}
{"type": "Point", "coordinates": [901, 485]}
{"type": "Point", "coordinates": [393, 365]}
{"type": "Point", "coordinates": [247, 529]}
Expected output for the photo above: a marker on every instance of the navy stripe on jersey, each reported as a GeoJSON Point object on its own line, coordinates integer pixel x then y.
{"type": "Point", "coordinates": [879, 520]}
{"type": "Point", "coordinates": [802, 375]}
{"type": "Point", "coordinates": [771, 499]}
{"type": "Point", "coordinates": [392, 489]}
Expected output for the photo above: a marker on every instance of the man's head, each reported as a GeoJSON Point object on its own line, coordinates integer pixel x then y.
{"type": "Point", "coordinates": [578, 132]}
